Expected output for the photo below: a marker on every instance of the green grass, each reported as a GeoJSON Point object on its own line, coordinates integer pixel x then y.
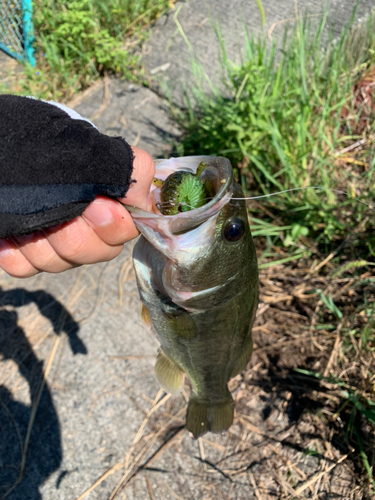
{"type": "Point", "coordinates": [360, 336]}
{"type": "Point", "coordinates": [78, 41]}
{"type": "Point", "coordinates": [284, 121]}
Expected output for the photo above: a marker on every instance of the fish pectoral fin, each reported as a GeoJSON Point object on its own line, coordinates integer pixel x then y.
{"type": "Point", "coordinates": [183, 325]}
{"type": "Point", "coordinates": [179, 320]}
{"type": "Point", "coordinates": [145, 316]}
{"type": "Point", "coordinates": [169, 375]}
{"type": "Point", "coordinates": [243, 360]}
{"type": "Point", "coordinates": [202, 416]}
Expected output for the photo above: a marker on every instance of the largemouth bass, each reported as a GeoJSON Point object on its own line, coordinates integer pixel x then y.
{"type": "Point", "coordinates": [197, 277]}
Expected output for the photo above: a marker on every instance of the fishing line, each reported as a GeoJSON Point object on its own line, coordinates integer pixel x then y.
{"type": "Point", "coordinates": [290, 190]}
{"type": "Point", "coordinates": [274, 194]}
{"type": "Point", "coordinates": [299, 189]}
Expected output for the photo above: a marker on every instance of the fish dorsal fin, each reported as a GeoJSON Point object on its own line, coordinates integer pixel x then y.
{"type": "Point", "coordinates": [243, 360]}
{"type": "Point", "coordinates": [202, 416]}
{"type": "Point", "coordinates": [169, 375]}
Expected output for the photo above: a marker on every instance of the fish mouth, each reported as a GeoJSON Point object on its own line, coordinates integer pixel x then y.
{"type": "Point", "coordinates": [218, 170]}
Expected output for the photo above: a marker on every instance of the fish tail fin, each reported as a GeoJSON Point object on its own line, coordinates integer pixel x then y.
{"type": "Point", "coordinates": [203, 416]}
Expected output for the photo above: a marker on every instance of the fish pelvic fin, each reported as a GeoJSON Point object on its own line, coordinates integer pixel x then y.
{"type": "Point", "coordinates": [241, 363]}
{"type": "Point", "coordinates": [169, 375]}
{"type": "Point", "coordinates": [203, 416]}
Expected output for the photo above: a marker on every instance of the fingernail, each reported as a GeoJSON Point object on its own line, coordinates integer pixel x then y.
{"type": "Point", "coordinates": [98, 214]}
{"type": "Point", "coordinates": [5, 248]}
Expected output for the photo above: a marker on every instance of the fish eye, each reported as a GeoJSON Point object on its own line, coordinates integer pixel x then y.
{"type": "Point", "coordinates": [233, 230]}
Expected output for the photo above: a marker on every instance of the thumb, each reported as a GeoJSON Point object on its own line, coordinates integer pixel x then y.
{"type": "Point", "coordinates": [143, 173]}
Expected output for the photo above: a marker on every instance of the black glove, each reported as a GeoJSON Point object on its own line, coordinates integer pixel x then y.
{"type": "Point", "coordinates": [53, 163]}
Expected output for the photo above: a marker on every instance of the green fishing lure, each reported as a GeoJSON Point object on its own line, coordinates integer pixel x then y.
{"type": "Point", "coordinates": [182, 191]}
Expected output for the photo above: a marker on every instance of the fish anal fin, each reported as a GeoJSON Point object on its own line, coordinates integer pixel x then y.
{"type": "Point", "coordinates": [241, 363]}
{"type": "Point", "coordinates": [169, 375]}
{"type": "Point", "coordinates": [203, 417]}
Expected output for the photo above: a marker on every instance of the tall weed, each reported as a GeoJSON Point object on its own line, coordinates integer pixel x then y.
{"type": "Point", "coordinates": [77, 41]}
{"type": "Point", "coordinates": [285, 121]}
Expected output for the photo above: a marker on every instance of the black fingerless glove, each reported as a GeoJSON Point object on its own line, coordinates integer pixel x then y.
{"type": "Point", "coordinates": [53, 163]}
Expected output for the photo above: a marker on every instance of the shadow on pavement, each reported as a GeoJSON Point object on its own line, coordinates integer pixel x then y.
{"type": "Point", "coordinates": [44, 453]}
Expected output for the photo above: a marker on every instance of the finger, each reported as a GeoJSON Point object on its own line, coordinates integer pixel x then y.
{"type": "Point", "coordinates": [110, 221]}
{"type": "Point", "coordinates": [39, 252]}
{"type": "Point", "coordinates": [143, 173]}
{"type": "Point", "coordinates": [13, 262]}
{"type": "Point", "coordinates": [77, 243]}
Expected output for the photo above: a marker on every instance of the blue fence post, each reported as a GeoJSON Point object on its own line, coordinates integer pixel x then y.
{"type": "Point", "coordinates": [28, 31]}
{"type": "Point", "coordinates": [16, 29]}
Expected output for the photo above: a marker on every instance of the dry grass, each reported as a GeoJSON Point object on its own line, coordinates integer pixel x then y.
{"type": "Point", "coordinates": [293, 435]}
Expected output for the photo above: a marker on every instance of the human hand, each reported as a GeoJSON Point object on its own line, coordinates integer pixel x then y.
{"type": "Point", "coordinates": [97, 235]}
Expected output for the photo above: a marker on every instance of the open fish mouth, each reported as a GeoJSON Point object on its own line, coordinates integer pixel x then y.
{"type": "Point", "coordinates": [217, 170]}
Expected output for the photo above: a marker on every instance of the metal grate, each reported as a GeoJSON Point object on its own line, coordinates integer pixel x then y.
{"type": "Point", "coordinates": [16, 29]}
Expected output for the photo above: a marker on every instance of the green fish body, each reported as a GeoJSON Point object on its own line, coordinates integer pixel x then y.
{"type": "Point", "coordinates": [197, 276]}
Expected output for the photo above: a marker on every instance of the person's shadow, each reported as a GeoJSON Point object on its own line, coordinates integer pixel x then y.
{"type": "Point", "coordinates": [44, 452]}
